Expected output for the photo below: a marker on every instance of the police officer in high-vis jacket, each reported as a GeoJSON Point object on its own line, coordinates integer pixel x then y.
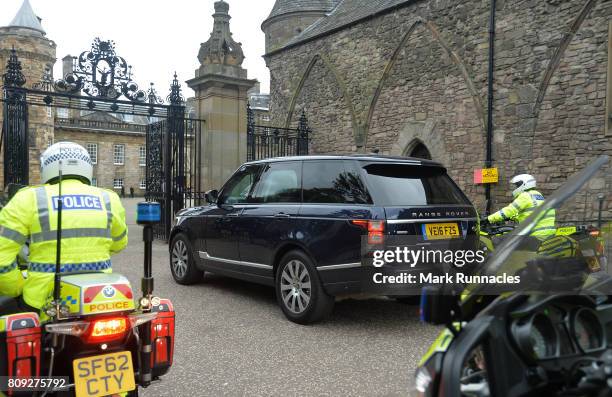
{"type": "Point", "coordinates": [526, 200]}
{"type": "Point", "coordinates": [93, 226]}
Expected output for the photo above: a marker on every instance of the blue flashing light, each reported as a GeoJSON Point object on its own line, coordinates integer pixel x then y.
{"type": "Point", "coordinates": [148, 213]}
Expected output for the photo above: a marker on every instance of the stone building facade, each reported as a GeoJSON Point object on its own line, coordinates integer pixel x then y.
{"type": "Point", "coordinates": [221, 88]}
{"type": "Point", "coordinates": [401, 76]}
{"type": "Point", "coordinates": [260, 105]}
{"type": "Point", "coordinates": [105, 135]}
{"type": "Point", "coordinates": [116, 147]}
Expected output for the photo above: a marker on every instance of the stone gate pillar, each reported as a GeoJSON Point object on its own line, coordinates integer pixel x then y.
{"type": "Point", "coordinates": [221, 86]}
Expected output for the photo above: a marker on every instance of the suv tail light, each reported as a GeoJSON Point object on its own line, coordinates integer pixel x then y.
{"type": "Point", "coordinates": [376, 230]}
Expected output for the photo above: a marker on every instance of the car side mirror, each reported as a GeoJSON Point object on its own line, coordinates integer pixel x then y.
{"type": "Point", "coordinates": [438, 307]}
{"type": "Point", "coordinates": [211, 196]}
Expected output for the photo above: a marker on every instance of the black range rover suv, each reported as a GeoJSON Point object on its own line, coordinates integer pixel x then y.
{"type": "Point", "coordinates": [307, 225]}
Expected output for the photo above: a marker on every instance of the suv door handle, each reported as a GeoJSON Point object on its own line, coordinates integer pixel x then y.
{"type": "Point", "coordinates": [233, 214]}
{"type": "Point", "coordinates": [282, 215]}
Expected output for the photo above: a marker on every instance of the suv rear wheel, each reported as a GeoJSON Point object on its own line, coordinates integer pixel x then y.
{"type": "Point", "coordinates": [299, 291]}
{"type": "Point", "coordinates": [182, 264]}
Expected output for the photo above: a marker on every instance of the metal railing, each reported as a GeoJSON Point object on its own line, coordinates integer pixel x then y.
{"type": "Point", "coordinates": [265, 141]}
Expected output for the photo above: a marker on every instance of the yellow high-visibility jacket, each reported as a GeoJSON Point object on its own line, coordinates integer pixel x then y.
{"type": "Point", "coordinates": [93, 227]}
{"type": "Point", "coordinates": [521, 208]}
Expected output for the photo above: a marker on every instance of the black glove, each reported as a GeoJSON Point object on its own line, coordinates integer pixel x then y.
{"type": "Point", "coordinates": [484, 222]}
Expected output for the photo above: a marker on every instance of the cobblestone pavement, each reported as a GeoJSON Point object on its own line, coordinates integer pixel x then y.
{"type": "Point", "coordinates": [232, 339]}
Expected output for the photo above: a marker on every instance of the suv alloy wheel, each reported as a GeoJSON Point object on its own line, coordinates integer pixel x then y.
{"type": "Point", "coordinates": [299, 291]}
{"type": "Point", "coordinates": [182, 265]}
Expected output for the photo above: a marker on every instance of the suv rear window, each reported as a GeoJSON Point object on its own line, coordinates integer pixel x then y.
{"type": "Point", "coordinates": [335, 181]}
{"type": "Point", "coordinates": [403, 184]}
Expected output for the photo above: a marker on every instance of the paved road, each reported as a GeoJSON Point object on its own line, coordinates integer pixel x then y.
{"type": "Point", "coordinates": [232, 339]}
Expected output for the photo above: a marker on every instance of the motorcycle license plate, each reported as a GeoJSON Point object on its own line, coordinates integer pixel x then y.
{"type": "Point", "coordinates": [103, 375]}
{"type": "Point", "coordinates": [593, 264]}
{"type": "Point", "coordinates": [440, 231]}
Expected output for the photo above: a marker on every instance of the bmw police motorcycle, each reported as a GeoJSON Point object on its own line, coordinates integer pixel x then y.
{"type": "Point", "coordinates": [588, 237]}
{"type": "Point", "coordinates": [96, 338]}
{"type": "Point", "coordinates": [529, 323]}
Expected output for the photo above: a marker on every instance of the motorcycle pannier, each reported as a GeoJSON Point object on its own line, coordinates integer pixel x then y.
{"type": "Point", "coordinates": [162, 338]}
{"type": "Point", "coordinates": [20, 343]}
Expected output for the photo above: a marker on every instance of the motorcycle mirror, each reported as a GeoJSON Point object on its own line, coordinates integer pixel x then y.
{"type": "Point", "coordinates": [437, 307]}
{"type": "Point", "coordinates": [211, 196]}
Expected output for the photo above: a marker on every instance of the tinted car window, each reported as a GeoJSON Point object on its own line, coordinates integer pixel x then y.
{"type": "Point", "coordinates": [237, 189]}
{"type": "Point", "coordinates": [398, 184]}
{"type": "Point", "coordinates": [333, 181]}
{"type": "Point", "coordinates": [279, 183]}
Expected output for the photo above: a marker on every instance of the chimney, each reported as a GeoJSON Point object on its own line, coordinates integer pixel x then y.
{"type": "Point", "coordinates": [67, 63]}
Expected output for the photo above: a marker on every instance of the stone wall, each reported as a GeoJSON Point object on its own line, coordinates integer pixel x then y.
{"type": "Point", "coordinates": [36, 54]}
{"type": "Point", "coordinates": [419, 73]}
{"type": "Point", "coordinates": [105, 171]}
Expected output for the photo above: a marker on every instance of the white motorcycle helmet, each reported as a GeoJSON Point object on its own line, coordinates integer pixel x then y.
{"type": "Point", "coordinates": [75, 162]}
{"type": "Point", "coordinates": [522, 183]}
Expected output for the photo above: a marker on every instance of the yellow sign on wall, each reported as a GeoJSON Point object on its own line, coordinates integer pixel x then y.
{"type": "Point", "coordinates": [486, 175]}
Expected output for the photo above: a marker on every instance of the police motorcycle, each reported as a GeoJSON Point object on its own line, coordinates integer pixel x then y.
{"type": "Point", "coordinates": [93, 339]}
{"type": "Point", "coordinates": [526, 324]}
{"type": "Point", "coordinates": [586, 236]}
{"type": "Point", "coordinates": [592, 244]}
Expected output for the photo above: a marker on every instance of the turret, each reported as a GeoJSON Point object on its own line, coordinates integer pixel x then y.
{"type": "Point", "coordinates": [289, 18]}
{"type": "Point", "coordinates": [37, 56]}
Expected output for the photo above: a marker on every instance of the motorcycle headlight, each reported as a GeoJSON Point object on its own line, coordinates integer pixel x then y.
{"type": "Point", "coordinates": [422, 381]}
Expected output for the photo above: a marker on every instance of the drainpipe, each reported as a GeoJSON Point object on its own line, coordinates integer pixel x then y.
{"type": "Point", "coordinates": [489, 160]}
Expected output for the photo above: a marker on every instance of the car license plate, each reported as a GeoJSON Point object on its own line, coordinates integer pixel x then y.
{"type": "Point", "coordinates": [440, 231]}
{"type": "Point", "coordinates": [103, 375]}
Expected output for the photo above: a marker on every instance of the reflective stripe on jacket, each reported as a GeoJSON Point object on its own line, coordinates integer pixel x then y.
{"type": "Point", "coordinates": [521, 208]}
{"type": "Point", "coordinates": [93, 227]}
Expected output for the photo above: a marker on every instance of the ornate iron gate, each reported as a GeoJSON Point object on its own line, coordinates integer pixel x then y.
{"type": "Point", "coordinates": [15, 125]}
{"type": "Point", "coordinates": [101, 80]}
{"type": "Point", "coordinates": [173, 166]}
{"type": "Point", "coordinates": [265, 141]}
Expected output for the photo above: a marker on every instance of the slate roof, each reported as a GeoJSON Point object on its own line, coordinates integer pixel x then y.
{"type": "Point", "coordinates": [282, 7]}
{"type": "Point", "coordinates": [26, 18]}
{"type": "Point", "coordinates": [346, 13]}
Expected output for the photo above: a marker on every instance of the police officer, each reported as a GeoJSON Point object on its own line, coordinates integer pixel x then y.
{"type": "Point", "coordinates": [93, 226]}
{"type": "Point", "coordinates": [526, 200]}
